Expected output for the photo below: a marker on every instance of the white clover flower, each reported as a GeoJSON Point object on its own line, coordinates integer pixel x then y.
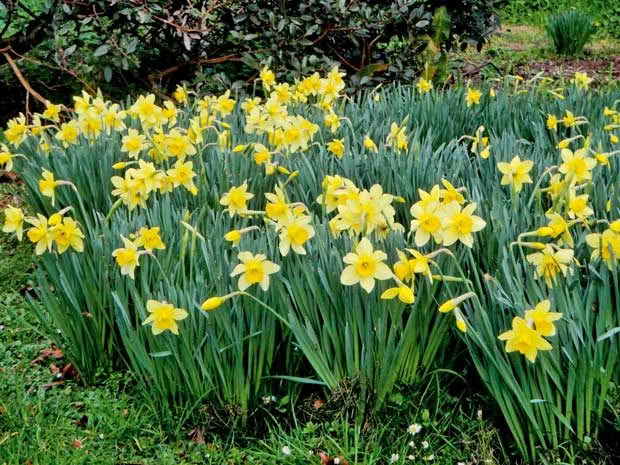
{"type": "Point", "coordinates": [394, 458]}
{"type": "Point", "coordinates": [411, 444]}
{"type": "Point", "coordinates": [286, 450]}
{"type": "Point", "coordinates": [414, 429]}
{"type": "Point", "coordinates": [424, 444]}
{"type": "Point", "coordinates": [411, 457]}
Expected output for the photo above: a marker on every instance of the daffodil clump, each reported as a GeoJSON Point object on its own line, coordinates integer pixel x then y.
{"type": "Point", "coordinates": [230, 225]}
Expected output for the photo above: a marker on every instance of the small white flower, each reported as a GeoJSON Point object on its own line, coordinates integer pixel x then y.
{"type": "Point", "coordinates": [411, 457]}
{"type": "Point", "coordinates": [479, 414]}
{"type": "Point", "coordinates": [337, 460]}
{"type": "Point", "coordinates": [394, 458]}
{"type": "Point", "coordinates": [414, 429]}
{"type": "Point", "coordinates": [460, 463]}
{"type": "Point", "coordinates": [286, 450]}
{"type": "Point", "coordinates": [424, 444]}
{"type": "Point", "coordinates": [411, 444]}
{"type": "Point", "coordinates": [310, 452]}
{"type": "Point", "coordinates": [430, 457]}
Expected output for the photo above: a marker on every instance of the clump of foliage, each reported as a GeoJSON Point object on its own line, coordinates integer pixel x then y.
{"type": "Point", "coordinates": [570, 31]}
{"type": "Point", "coordinates": [114, 45]}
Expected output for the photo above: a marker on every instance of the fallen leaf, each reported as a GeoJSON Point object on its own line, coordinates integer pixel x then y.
{"type": "Point", "coordinates": [69, 372]}
{"type": "Point", "coordinates": [197, 436]}
{"type": "Point", "coordinates": [317, 404]}
{"type": "Point", "coordinates": [77, 444]}
{"type": "Point", "coordinates": [50, 352]}
{"type": "Point", "coordinates": [52, 384]}
{"type": "Point", "coordinates": [82, 422]}
{"type": "Point", "coordinates": [327, 460]}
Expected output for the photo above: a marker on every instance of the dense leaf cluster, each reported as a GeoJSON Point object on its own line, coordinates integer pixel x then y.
{"type": "Point", "coordinates": [123, 42]}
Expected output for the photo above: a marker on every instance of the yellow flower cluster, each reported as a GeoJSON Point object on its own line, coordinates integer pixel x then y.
{"type": "Point", "coordinates": [527, 335]}
{"type": "Point", "coordinates": [58, 229]}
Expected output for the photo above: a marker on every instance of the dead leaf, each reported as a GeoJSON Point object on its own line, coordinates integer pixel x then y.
{"type": "Point", "coordinates": [82, 422]}
{"type": "Point", "coordinates": [51, 385]}
{"type": "Point", "coordinates": [196, 436]}
{"type": "Point", "coordinates": [327, 460]}
{"type": "Point", "coordinates": [51, 352]}
{"type": "Point", "coordinates": [317, 404]}
{"type": "Point", "coordinates": [77, 444]}
{"type": "Point", "coordinates": [69, 372]}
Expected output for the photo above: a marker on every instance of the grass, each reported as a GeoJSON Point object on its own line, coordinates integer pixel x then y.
{"type": "Point", "coordinates": [525, 49]}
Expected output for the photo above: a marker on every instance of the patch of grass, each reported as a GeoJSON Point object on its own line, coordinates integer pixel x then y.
{"type": "Point", "coordinates": [525, 49]}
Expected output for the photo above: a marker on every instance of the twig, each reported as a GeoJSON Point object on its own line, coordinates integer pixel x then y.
{"type": "Point", "coordinates": [23, 80]}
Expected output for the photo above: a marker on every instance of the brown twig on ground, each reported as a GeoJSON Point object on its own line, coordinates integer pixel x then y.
{"type": "Point", "coordinates": [21, 78]}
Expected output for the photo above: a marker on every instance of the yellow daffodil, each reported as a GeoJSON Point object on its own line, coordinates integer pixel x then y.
{"type": "Point", "coordinates": [426, 223]}
{"type": "Point", "coordinates": [365, 265]}
{"type": "Point", "coordinates": [542, 318]}
{"type": "Point", "coordinates": [577, 166]}
{"type": "Point", "coordinates": [549, 262]}
{"type": "Point", "coordinates": [605, 246]}
{"type": "Point", "coordinates": [524, 339]}
{"type": "Point", "coordinates": [182, 174]}
{"type": "Point", "coordinates": [294, 231]}
{"type": "Point", "coordinates": [149, 239]}
{"type": "Point", "coordinates": [516, 172]}
{"type": "Point", "coordinates": [552, 122]}
{"type": "Point", "coordinates": [47, 185]}
{"type": "Point", "coordinates": [459, 224]}
{"type": "Point", "coordinates": [67, 234]}
{"type": "Point", "coordinates": [127, 257]}
{"type": "Point", "coordinates": [404, 294]}
{"type": "Point", "coordinates": [336, 147]}
{"type": "Point", "coordinates": [164, 317]}
{"type": "Point", "coordinates": [14, 221]}
{"type": "Point", "coordinates": [6, 158]}
{"type": "Point", "coordinates": [424, 86]}
{"type": "Point", "coordinates": [277, 208]}
{"type": "Point", "coordinates": [472, 97]}
{"type": "Point", "coordinates": [370, 145]}
{"type": "Point", "coordinates": [133, 143]}
{"type": "Point", "coordinates": [40, 234]}
{"type": "Point", "coordinates": [254, 269]}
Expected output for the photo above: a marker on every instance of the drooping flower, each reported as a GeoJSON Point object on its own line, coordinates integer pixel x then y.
{"type": "Point", "coordinates": [549, 262]}
{"type": "Point", "coordinates": [605, 246]}
{"type": "Point", "coordinates": [127, 257]}
{"type": "Point", "coordinates": [47, 185]}
{"type": "Point", "coordinates": [14, 221]}
{"type": "Point", "coordinates": [365, 265]}
{"type": "Point", "coordinates": [164, 317]}
{"type": "Point", "coordinates": [542, 318]}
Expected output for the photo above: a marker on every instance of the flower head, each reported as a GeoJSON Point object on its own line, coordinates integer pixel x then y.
{"type": "Point", "coordinates": [542, 318]}
{"type": "Point", "coordinates": [516, 172]}
{"type": "Point", "coordinates": [164, 316]}
{"type": "Point", "coordinates": [459, 224]}
{"type": "Point", "coordinates": [236, 199]}
{"type": "Point", "coordinates": [524, 339]}
{"type": "Point", "coordinates": [254, 269]}
{"type": "Point", "coordinates": [365, 265]}
{"type": "Point", "coordinates": [14, 221]}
